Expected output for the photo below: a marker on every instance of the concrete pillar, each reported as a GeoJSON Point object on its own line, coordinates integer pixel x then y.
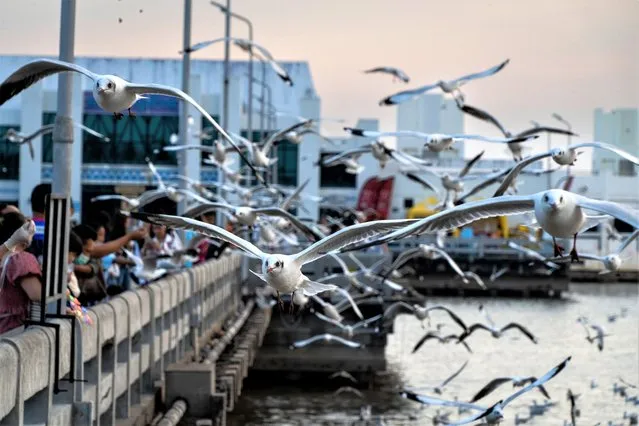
{"type": "Point", "coordinates": [308, 153]}
{"type": "Point", "coordinates": [195, 383]}
{"type": "Point", "coordinates": [77, 113]}
{"type": "Point", "coordinates": [30, 169]}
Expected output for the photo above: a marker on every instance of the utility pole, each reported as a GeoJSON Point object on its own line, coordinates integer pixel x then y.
{"type": "Point", "coordinates": [184, 107]}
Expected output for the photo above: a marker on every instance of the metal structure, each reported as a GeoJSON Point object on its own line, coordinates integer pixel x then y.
{"type": "Point", "coordinates": [184, 107]}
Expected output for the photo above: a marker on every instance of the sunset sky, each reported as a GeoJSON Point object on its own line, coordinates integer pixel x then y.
{"type": "Point", "coordinates": [567, 56]}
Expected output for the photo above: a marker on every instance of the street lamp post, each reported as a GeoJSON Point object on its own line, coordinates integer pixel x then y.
{"type": "Point", "coordinates": [569, 126]}
{"type": "Point", "coordinates": [184, 108]}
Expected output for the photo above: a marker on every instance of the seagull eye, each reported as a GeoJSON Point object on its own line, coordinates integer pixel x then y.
{"type": "Point", "coordinates": [110, 85]}
{"type": "Point", "coordinates": [545, 197]}
{"type": "Point", "coordinates": [561, 199]}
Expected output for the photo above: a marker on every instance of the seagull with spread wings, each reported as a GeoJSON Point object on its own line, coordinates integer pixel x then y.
{"type": "Point", "coordinates": [494, 331]}
{"type": "Point", "coordinates": [420, 312]}
{"type": "Point", "coordinates": [439, 389]}
{"type": "Point", "coordinates": [430, 335]}
{"type": "Point", "coordinates": [280, 271]}
{"type": "Point", "coordinates": [217, 152]}
{"type": "Point", "coordinates": [395, 72]}
{"type": "Point", "coordinates": [516, 381]}
{"type": "Point", "coordinates": [112, 93]}
{"type": "Point", "coordinates": [451, 86]}
{"type": "Point", "coordinates": [325, 338]}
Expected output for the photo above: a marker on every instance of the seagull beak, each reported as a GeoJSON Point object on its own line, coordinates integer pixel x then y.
{"type": "Point", "coordinates": [553, 206]}
{"type": "Point", "coordinates": [101, 89]}
{"type": "Point", "coordinates": [269, 270]}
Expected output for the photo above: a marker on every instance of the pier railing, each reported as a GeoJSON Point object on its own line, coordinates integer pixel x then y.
{"type": "Point", "coordinates": [121, 356]}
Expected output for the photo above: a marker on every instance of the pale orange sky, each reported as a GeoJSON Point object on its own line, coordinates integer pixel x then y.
{"type": "Point", "coordinates": [567, 56]}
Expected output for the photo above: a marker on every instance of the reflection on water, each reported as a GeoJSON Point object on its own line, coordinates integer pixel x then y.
{"type": "Point", "coordinates": [311, 401]}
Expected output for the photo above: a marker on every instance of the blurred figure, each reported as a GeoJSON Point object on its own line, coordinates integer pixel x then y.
{"type": "Point", "coordinates": [88, 269]}
{"type": "Point", "coordinates": [164, 242]}
{"type": "Point", "coordinates": [38, 207]}
{"type": "Point", "coordinates": [20, 277]}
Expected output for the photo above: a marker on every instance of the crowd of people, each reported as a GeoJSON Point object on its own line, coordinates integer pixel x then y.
{"type": "Point", "coordinates": [105, 255]}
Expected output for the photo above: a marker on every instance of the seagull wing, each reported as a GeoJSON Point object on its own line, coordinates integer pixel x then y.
{"type": "Point", "coordinates": [278, 212]}
{"type": "Point", "coordinates": [286, 204]}
{"type": "Point", "coordinates": [92, 132]}
{"type": "Point", "coordinates": [490, 387]}
{"type": "Point", "coordinates": [455, 267]}
{"type": "Point", "coordinates": [514, 172]}
{"type": "Point", "coordinates": [472, 329]}
{"type": "Point", "coordinates": [204, 148]}
{"type": "Point", "coordinates": [543, 379]}
{"type": "Point", "coordinates": [44, 130]}
{"type": "Point", "coordinates": [280, 134]}
{"type": "Point", "coordinates": [621, 212]}
{"type": "Point", "coordinates": [481, 74]}
{"type": "Point", "coordinates": [350, 300]}
{"type": "Point", "coordinates": [329, 320]}
{"type": "Point", "coordinates": [627, 241]}
{"type": "Point", "coordinates": [160, 89]}
{"type": "Point", "coordinates": [404, 257]}
{"type": "Point", "coordinates": [483, 115]}
{"type": "Point", "coordinates": [204, 208]}
{"type": "Point", "coordinates": [545, 129]}
{"type": "Point", "coordinates": [349, 235]}
{"type": "Point", "coordinates": [452, 376]}
{"type": "Point", "coordinates": [201, 227]}
{"type": "Point", "coordinates": [405, 95]}
{"type": "Point", "coordinates": [367, 321]}
{"type": "Point", "coordinates": [528, 252]}
{"type": "Point", "coordinates": [34, 71]}
{"type": "Point", "coordinates": [340, 262]}
{"type": "Point", "coordinates": [348, 153]}
{"type": "Point", "coordinates": [393, 309]}
{"type": "Point", "coordinates": [452, 314]}
{"type": "Point", "coordinates": [426, 337]}
{"type": "Point", "coordinates": [607, 147]}
{"type": "Point", "coordinates": [156, 174]}
{"type": "Point", "coordinates": [346, 342]}
{"type": "Point", "coordinates": [348, 389]}
{"type": "Point", "coordinates": [420, 180]}
{"type": "Point", "coordinates": [460, 216]}
{"type": "Point", "coordinates": [429, 400]}
{"type": "Point", "coordinates": [490, 179]}
{"type": "Point", "coordinates": [496, 140]}
{"type": "Point", "coordinates": [521, 328]}
{"type": "Point", "coordinates": [475, 417]}
{"type": "Point", "coordinates": [469, 164]}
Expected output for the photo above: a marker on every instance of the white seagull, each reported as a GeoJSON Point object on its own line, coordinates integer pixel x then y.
{"type": "Point", "coordinates": [563, 157]}
{"type": "Point", "coordinates": [348, 330]}
{"type": "Point", "coordinates": [395, 72]}
{"type": "Point", "coordinates": [145, 269]}
{"type": "Point", "coordinates": [280, 271]}
{"type": "Point", "coordinates": [112, 93]}
{"type": "Point", "coordinates": [326, 338]}
{"type": "Point", "coordinates": [559, 213]}
{"type": "Point", "coordinates": [532, 254]}
{"type": "Point", "coordinates": [16, 137]}
{"type": "Point", "coordinates": [435, 142]}
{"type": "Point", "coordinates": [451, 86]}
{"type": "Point", "coordinates": [439, 389]}
{"type": "Point", "coordinates": [217, 151]}
{"type": "Point", "coordinates": [491, 415]}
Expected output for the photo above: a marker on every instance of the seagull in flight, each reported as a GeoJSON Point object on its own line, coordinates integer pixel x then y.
{"type": "Point", "coordinates": [516, 381]}
{"type": "Point", "coordinates": [598, 337]}
{"type": "Point", "coordinates": [439, 389]}
{"type": "Point", "coordinates": [395, 72]}
{"type": "Point", "coordinates": [344, 375]}
{"type": "Point", "coordinates": [112, 93]}
{"type": "Point", "coordinates": [532, 254]}
{"type": "Point", "coordinates": [326, 338]}
{"type": "Point", "coordinates": [217, 152]}
{"type": "Point", "coordinates": [280, 271]}
{"type": "Point", "coordinates": [558, 212]}
{"type": "Point", "coordinates": [421, 312]}
{"type": "Point", "coordinates": [490, 415]}
{"type": "Point", "coordinates": [494, 331]}
{"type": "Point", "coordinates": [349, 330]}
{"type": "Point", "coordinates": [442, 339]}
{"type": "Point", "coordinates": [16, 137]}
{"type": "Point", "coordinates": [434, 142]}
{"type": "Point", "coordinates": [451, 86]}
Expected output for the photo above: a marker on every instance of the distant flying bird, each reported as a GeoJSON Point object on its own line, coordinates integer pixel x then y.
{"type": "Point", "coordinates": [451, 86]}
{"type": "Point", "coordinates": [563, 157]}
{"type": "Point", "coordinates": [439, 389]}
{"type": "Point", "coordinates": [16, 137]}
{"type": "Point", "coordinates": [326, 338]}
{"type": "Point", "coordinates": [349, 330]}
{"type": "Point", "coordinates": [598, 337]}
{"type": "Point", "coordinates": [442, 339]}
{"type": "Point", "coordinates": [112, 93]}
{"type": "Point", "coordinates": [494, 331]}
{"type": "Point", "coordinates": [434, 142]}
{"type": "Point", "coordinates": [421, 312]}
{"type": "Point", "coordinates": [516, 381]}
{"type": "Point", "coordinates": [532, 254]}
{"type": "Point", "coordinates": [349, 389]}
{"type": "Point", "coordinates": [344, 375]}
{"type": "Point", "coordinates": [217, 152]}
{"type": "Point", "coordinates": [395, 72]}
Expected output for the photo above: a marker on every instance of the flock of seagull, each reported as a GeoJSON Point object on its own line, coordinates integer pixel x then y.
{"type": "Point", "coordinates": [287, 242]}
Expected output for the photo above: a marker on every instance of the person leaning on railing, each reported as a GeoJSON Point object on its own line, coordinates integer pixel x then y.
{"type": "Point", "coordinates": [20, 276]}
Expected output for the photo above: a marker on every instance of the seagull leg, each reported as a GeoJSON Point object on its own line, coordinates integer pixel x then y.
{"type": "Point", "coordinates": [132, 115]}
{"type": "Point", "coordinates": [558, 249]}
{"type": "Point", "coordinates": [291, 306]}
{"type": "Point", "coordinates": [574, 257]}
{"type": "Point", "coordinates": [279, 302]}
{"type": "Point", "coordinates": [118, 115]}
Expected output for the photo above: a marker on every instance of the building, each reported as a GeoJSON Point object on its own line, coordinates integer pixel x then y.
{"type": "Point", "coordinates": [619, 127]}
{"type": "Point", "coordinates": [119, 166]}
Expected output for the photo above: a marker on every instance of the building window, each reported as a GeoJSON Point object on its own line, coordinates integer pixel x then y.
{"type": "Point", "coordinates": [336, 176]}
{"type": "Point", "coordinates": [626, 168]}
{"type": "Point", "coordinates": [286, 163]}
{"type": "Point", "coordinates": [9, 156]}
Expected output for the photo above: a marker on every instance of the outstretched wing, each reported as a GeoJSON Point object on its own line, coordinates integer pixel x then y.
{"type": "Point", "coordinates": [619, 211]}
{"type": "Point", "coordinates": [483, 115]}
{"type": "Point", "coordinates": [160, 89]}
{"type": "Point", "coordinates": [546, 129]}
{"type": "Point", "coordinates": [606, 146]}
{"type": "Point", "coordinates": [426, 337]}
{"type": "Point", "coordinates": [452, 376]}
{"type": "Point", "coordinates": [514, 172]}
{"type": "Point", "coordinates": [521, 328]}
{"type": "Point", "coordinates": [452, 314]}
{"type": "Point", "coordinates": [204, 208]}
{"type": "Point", "coordinates": [490, 387]}
{"type": "Point", "coordinates": [280, 134]}
{"type": "Point", "coordinates": [276, 211]}
{"type": "Point", "coordinates": [481, 74]}
{"type": "Point", "coordinates": [405, 95]}
{"type": "Point", "coordinates": [212, 231]}
{"type": "Point", "coordinates": [34, 71]}
{"type": "Point", "coordinates": [543, 379]}
{"type": "Point", "coordinates": [420, 180]}
{"type": "Point", "coordinates": [470, 163]}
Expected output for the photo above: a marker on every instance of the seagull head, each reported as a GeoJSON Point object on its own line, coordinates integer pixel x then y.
{"type": "Point", "coordinates": [553, 200]}
{"type": "Point", "coordinates": [105, 85]}
{"type": "Point", "coordinates": [273, 265]}
{"type": "Point", "coordinates": [612, 262]}
{"type": "Point", "coordinates": [12, 135]}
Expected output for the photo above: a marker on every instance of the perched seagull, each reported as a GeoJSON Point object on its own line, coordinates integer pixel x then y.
{"type": "Point", "coordinates": [434, 142]}
{"type": "Point", "coordinates": [421, 312]}
{"type": "Point", "coordinates": [282, 272]}
{"type": "Point", "coordinates": [491, 415]}
{"type": "Point", "coordinates": [515, 148]}
{"type": "Point", "coordinates": [325, 338]}
{"type": "Point", "coordinates": [450, 183]}
{"type": "Point", "coordinates": [349, 389]}
{"type": "Point", "coordinates": [442, 339]}
{"type": "Point", "coordinates": [532, 254]}
{"type": "Point", "coordinates": [395, 72]}
{"type": "Point", "coordinates": [612, 261]}
{"type": "Point", "coordinates": [430, 252]}
{"type": "Point", "coordinates": [16, 137]}
{"type": "Point", "coordinates": [112, 93]}
{"type": "Point", "coordinates": [516, 381]}
{"type": "Point", "coordinates": [349, 330]}
{"type": "Point", "coordinates": [559, 213]}
{"type": "Point", "coordinates": [563, 157]}
{"type": "Point", "coordinates": [451, 86]}
{"type": "Point", "coordinates": [439, 389]}
{"type": "Point", "coordinates": [343, 375]}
